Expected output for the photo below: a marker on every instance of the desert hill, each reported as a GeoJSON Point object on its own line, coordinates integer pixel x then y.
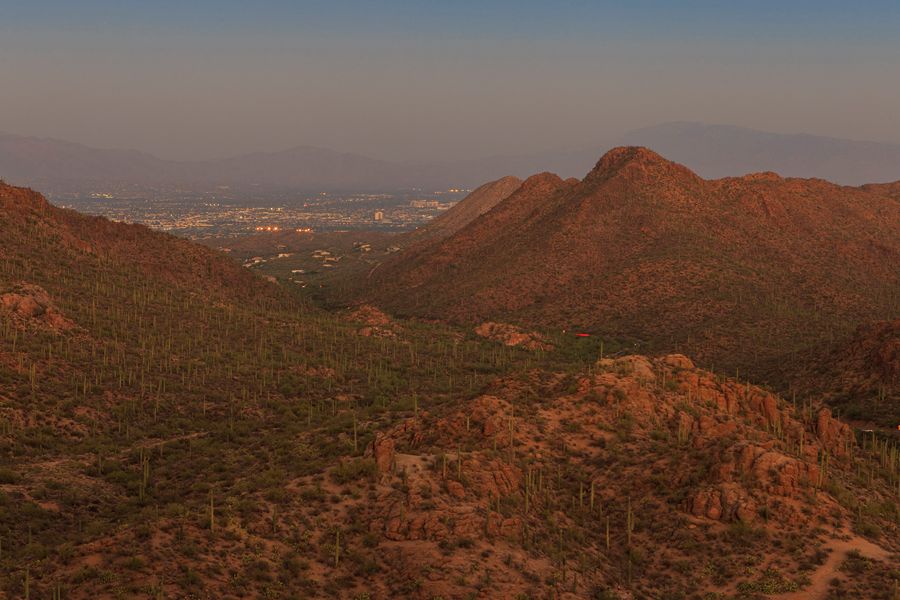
{"type": "Point", "coordinates": [145, 379]}
{"type": "Point", "coordinates": [739, 273]}
{"type": "Point", "coordinates": [172, 426]}
{"type": "Point", "coordinates": [622, 480]}
{"type": "Point", "coordinates": [478, 202]}
{"type": "Point", "coordinates": [56, 243]}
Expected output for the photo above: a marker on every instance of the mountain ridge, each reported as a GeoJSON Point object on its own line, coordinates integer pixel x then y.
{"type": "Point", "coordinates": [640, 236]}
{"type": "Point", "coordinates": [477, 202]}
{"type": "Point", "coordinates": [713, 151]}
{"type": "Point", "coordinates": [84, 239]}
{"type": "Point", "coordinates": [172, 425]}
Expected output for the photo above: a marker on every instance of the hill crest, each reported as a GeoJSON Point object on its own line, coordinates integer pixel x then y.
{"type": "Point", "coordinates": [35, 230]}
{"type": "Point", "coordinates": [641, 236]}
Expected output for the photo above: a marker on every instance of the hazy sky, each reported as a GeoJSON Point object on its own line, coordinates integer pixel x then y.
{"type": "Point", "coordinates": [409, 80]}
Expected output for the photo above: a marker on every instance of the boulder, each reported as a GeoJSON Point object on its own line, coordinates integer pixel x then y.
{"type": "Point", "coordinates": [29, 303]}
{"type": "Point", "coordinates": [382, 450]}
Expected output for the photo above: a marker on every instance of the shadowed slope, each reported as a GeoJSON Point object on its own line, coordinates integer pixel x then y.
{"type": "Point", "coordinates": [480, 201]}
{"type": "Point", "coordinates": [860, 375]}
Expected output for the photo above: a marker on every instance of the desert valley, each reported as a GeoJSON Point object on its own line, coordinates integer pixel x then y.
{"type": "Point", "coordinates": [495, 300]}
{"type": "Point", "coordinates": [614, 387]}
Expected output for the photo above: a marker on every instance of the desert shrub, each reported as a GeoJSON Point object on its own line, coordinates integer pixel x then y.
{"type": "Point", "coordinates": [868, 529]}
{"type": "Point", "coordinates": [350, 471]}
{"type": "Point", "coordinates": [8, 476]}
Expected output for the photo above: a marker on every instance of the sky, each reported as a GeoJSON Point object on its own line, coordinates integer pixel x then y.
{"type": "Point", "coordinates": [460, 79]}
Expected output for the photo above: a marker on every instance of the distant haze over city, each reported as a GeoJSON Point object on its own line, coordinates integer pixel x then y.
{"type": "Point", "coordinates": [505, 299]}
{"type": "Point", "coordinates": [435, 82]}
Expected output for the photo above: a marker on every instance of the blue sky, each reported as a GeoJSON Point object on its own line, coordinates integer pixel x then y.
{"type": "Point", "coordinates": [452, 18]}
{"type": "Point", "coordinates": [402, 79]}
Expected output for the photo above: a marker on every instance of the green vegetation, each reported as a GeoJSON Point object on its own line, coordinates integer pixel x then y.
{"type": "Point", "coordinates": [201, 433]}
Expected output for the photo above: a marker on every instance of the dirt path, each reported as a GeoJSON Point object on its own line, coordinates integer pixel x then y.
{"type": "Point", "coordinates": [821, 579]}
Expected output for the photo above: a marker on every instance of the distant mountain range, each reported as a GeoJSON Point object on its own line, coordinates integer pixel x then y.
{"type": "Point", "coordinates": [715, 151]}
{"type": "Point", "coordinates": [57, 167]}
{"type": "Point", "coordinates": [712, 151]}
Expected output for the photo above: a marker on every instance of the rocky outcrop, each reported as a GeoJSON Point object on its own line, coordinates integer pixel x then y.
{"type": "Point", "coordinates": [31, 305]}
{"type": "Point", "coordinates": [381, 448]}
{"type": "Point", "coordinates": [375, 322]}
{"type": "Point", "coordinates": [725, 502]}
{"type": "Point", "coordinates": [834, 435]}
{"type": "Point", "coordinates": [545, 459]}
{"type": "Point", "coordinates": [512, 336]}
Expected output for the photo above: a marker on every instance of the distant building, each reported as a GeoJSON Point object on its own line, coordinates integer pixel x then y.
{"type": "Point", "coordinates": [379, 215]}
{"type": "Point", "coordinates": [424, 204]}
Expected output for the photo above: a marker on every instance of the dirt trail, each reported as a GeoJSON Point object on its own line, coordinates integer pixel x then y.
{"type": "Point", "coordinates": [821, 579]}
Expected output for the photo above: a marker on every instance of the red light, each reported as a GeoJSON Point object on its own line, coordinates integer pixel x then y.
{"type": "Point", "coordinates": [582, 335]}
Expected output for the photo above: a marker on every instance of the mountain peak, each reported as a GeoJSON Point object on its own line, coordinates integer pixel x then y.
{"type": "Point", "coordinates": [637, 162]}
{"type": "Point", "coordinates": [621, 155]}
{"type": "Point", "coordinates": [541, 182]}
{"type": "Point", "coordinates": [508, 180]}
{"type": "Point", "coordinates": [17, 200]}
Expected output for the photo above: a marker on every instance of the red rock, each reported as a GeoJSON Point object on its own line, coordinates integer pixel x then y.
{"type": "Point", "coordinates": [381, 448]}
{"type": "Point", "coordinates": [456, 489]}
{"type": "Point", "coordinates": [678, 361]}
{"type": "Point", "coordinates": [726, 502]}
{"type": "Point", "coordinates": [32, 303]}
{"type": "Point", "coordinates": [833, 434]}
{"type": "Point", "coordinates": [512, 336]}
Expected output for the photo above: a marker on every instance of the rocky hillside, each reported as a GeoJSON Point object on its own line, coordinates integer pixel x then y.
{"type": "Point", "coordinates": [741, 273]}
{"type": "Point", "coordinates": [172, 427]}
{"type": "Point", "coordinates": [861, 376]}
{"type": "Point", "coordinates": [145, 380]}
{"type": "Point", "coordinates": [638, 478]}
{"type": "Point", "coordinates": [57, 246]}
{"type": "Point", "coordinates": [887, 189]}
